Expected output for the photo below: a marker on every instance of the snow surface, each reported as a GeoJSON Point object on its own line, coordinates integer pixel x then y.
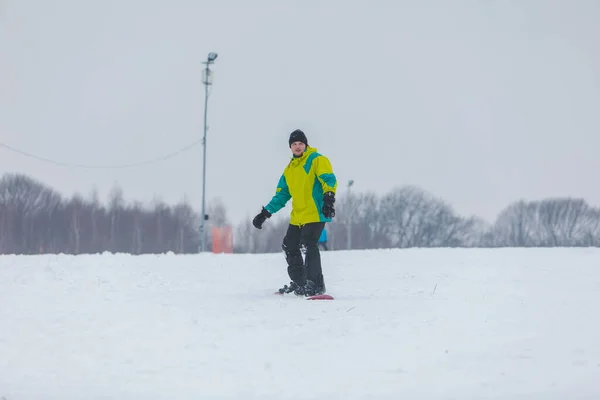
{"type": "Point", "coordinates": [405, 324]}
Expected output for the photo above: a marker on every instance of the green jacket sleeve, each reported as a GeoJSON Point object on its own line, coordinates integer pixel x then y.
{"type": "Point", "coordinates": [325, 175]}
{"type": "Point", "coordinates": [281, 197]}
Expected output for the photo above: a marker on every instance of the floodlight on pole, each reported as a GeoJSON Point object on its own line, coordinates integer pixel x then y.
{"type": "Point", "coordinates": [207, 80]}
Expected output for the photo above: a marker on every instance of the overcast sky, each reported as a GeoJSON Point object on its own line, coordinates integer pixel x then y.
{"type": "Point", "coordinates": [479, 102]}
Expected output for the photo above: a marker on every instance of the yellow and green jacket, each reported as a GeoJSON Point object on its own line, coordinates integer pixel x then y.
{"type": "Point", "coordinates": [304, 180]}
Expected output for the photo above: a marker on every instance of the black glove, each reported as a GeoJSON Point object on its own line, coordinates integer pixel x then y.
{"type": "Point", "coordinates": [261, 218]}
{"type": "Point", "coordinates": [328, 200]}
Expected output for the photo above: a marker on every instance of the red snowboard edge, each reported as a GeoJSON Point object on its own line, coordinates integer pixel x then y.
{"type": "Point", "coordinates": [320, 297]}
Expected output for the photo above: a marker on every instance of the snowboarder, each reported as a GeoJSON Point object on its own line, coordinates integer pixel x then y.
{"type": "Point", "coordinates": [309, 181]}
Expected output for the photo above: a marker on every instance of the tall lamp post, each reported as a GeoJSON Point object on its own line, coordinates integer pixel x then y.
{"type": "Point", "coordinates": [207, 79]}
{"type": "Point", "coordinates": [350, 183]}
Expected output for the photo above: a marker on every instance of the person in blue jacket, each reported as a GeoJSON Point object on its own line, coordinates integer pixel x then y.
{"type": "Point", "coordinates": [323, 240]}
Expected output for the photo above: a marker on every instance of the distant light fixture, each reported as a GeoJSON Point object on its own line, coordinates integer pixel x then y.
{"type": "Point", "coordinates": [212, 56]}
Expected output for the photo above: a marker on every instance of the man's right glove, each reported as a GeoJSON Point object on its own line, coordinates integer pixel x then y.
{"type": "Point", "coordinates": [261, 218]}
{"type": "Point", "coordinates": [328, 201]}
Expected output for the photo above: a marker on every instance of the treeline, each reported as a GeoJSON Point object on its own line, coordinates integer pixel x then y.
{"type": "Point", "coordinates": [410, 217]}
{"type": "Point", "coordinates": [36, 219]}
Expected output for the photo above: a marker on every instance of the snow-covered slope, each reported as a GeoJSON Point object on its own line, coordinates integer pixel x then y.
{"type": "Point", "coordinates": [405, 324]}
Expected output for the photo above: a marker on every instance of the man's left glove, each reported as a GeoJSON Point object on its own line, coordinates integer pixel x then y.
{"type": "Point", "coordinates": [261, 218]}
{"type": "Point", "coordinates": [328, 201]}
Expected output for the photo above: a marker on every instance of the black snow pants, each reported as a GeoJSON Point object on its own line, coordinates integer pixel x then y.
{"type": "Point", "coordinates": [307, 235]}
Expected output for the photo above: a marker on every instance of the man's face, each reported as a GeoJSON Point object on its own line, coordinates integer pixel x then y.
{"type": "Point", "coordinates": [298, 148]}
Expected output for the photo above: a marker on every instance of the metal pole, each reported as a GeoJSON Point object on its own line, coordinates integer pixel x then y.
{"type": "Point", "coordinates": [203, 215]}
{"type": "Point", "coordinates": [207, 82]}
{"type": "Point", "coordinates": [350, 182]}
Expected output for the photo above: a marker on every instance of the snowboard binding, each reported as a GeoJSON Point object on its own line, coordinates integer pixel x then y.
{"type": "Point", "coordinates": [309, 289]}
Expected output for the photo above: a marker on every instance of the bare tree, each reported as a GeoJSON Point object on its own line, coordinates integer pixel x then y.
{"type": "Point", "coordinates": [244, 237]}
{"type": "Point", "coordinates": [563, 222]}
{"type": "Point", "coordinates": [97, 215]}
{"type": "Point", "coordinates": [136, 213]}
{"type": "Point", "coordinates": [116, 205]}
{"type": "Point", "coordinates": [269, 239]}
{"type": "Point", "coordinates": [160, 226]}
{"type": "Point", "coordinates": [186, 221]}
{"type": "Point", "coordinates": [547, 223]}
{"type": "Point", "coordinates": [414, 218]}
{"type": "Point", "coordinates": [358, 223]}
{"type": "Point", "coordinates": [23, 201]}
{"type": "Point", "coordinates": [76, 208]}
{"type": "Point", "coordinates": [272, 239]}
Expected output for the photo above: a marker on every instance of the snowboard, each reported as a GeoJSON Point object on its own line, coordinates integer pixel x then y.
{"type": "Point", "coordinates": [320, 297]}
{"type": "Point", "coordinates": [315, 297]}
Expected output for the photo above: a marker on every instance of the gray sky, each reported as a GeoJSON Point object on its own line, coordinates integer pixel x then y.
{"type": "Point", "coordinates": [478, 102]}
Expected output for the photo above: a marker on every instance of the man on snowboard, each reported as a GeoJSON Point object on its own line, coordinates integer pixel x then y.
{"type": "Point", "coordinates": [310, 182]}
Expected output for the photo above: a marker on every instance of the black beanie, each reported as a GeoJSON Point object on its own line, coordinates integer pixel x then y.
{"type": "Point", "coordinates": [298, 136]}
